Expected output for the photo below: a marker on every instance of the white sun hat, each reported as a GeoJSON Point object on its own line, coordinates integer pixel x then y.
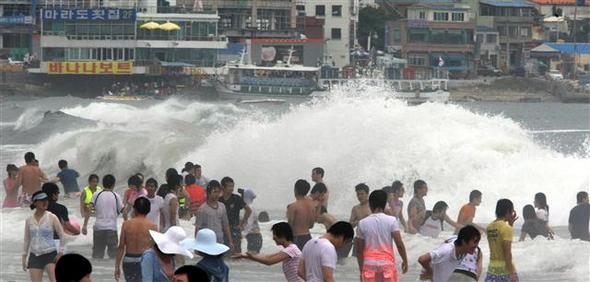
{"type": "Point", "coordinates": [169, 242]}
{"type": "Point", "coordinates": [206, 242]}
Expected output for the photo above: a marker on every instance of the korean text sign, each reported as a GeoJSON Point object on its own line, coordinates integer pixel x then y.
{"type": "Point", "coordinates": [100, 14]}
{"type": "Point", "coordinates": [89, 68]}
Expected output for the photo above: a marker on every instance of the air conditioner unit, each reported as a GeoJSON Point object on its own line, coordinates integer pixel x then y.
{"type": "Point", "coordinates": [223, 38]}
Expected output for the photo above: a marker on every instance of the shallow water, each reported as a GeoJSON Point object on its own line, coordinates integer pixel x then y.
{"type": "Point", "coordinates": [504, 149]}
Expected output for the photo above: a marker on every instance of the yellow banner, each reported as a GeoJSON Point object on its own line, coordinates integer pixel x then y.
{"type": "Point", "coordinates": [88, 68]}
{"type": "Point", "coordinates": [11, 68]}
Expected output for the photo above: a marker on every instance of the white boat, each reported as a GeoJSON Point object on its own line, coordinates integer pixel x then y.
{"type": "Point", "coordinates": [412, 91]}
{"type": "Point", "coordinates": [282, 80]}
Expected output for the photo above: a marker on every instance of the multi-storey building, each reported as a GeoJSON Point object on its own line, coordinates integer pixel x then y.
{"type": "Point", "coordinates": [17, 28]}
{"type": "Point", "coordinates": [340, 18]}
{"type": "Point", "coordinates": [487, 46]}
{"type": "Point", "coordinates": [435, 36]}
{"type": "Point", "coordinates": [514, 22]}
{"type": "Point", "coordinates": [565, 8]}
{"type": "Point", "coordinates": [111, 38]}
{"type": "Point", "coordinates": [247, 19]}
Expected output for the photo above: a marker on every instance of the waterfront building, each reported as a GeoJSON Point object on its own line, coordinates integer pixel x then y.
{"type": "Point", "coordinates": [247, 19]}
{"type": "Point", "coordinates": [17, 29]}
{"type": "Point", "coordinates": [111, 40]}
{"type": "Point", "coordinates": [435, 36]}
{"type": "Point", "coordinates": [487, 46]}
{"type": "Point", "coordinates": [340, 20]}
{"type": "Point", "coordinates": [564, 8]}
{"type": "Point", "coordinates": [514, 21]}
{"type": "Point", "coordinates": [563, 56]}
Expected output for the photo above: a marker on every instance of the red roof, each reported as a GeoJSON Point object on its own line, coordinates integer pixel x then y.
{"type": "Point", "coordinates": [558, 2]}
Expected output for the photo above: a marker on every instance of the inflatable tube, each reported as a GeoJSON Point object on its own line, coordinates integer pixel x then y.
{"type": "Point", "coordinates": [75, 224]}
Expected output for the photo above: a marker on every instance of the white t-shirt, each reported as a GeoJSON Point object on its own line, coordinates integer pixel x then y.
{"type": "Point", "coordinates": [291, 265]}
{"type": "Point", "coordinates": [377, 232]}
{"type": "Point", "coordinates": [431, 227]}
{"type": "Point", "coordinates": [444, 261]}
{"type": "Point", "coordinates": [156, 206]}
{"type": "Point", "coordinates": [108, 206]}
{"type": "Point", "coordinates": [166, 211]}
{"type": "Point", "coordinates": [318, 253]}
{"type": "Point", "coordinates": [543, 215]}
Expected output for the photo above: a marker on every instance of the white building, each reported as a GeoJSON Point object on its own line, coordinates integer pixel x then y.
{"type": "Point", "coordinates": [340, 18]}
{"type": "Point", "coordinates": [111, 39]}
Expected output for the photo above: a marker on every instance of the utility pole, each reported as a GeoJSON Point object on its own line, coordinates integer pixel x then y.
{"type": "Point", "coordinates": [575, 41]}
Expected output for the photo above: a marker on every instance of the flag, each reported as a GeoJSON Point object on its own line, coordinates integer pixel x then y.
{"type": "Point", "coordinates": [441, 62]}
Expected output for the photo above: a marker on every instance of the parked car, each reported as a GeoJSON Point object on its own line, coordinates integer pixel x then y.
{"type": "Point", "coordinates": [554, 75]}
{"type": "Point", "coordinates": [488, 71]}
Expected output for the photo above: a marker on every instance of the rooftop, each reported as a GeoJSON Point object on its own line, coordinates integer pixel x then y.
{"type": "Point", "coordinates": [558, 2]}
{"type": "Point", "coordinates": [567, 48]}
{"type": "Point", "coordinates": [508, 3]}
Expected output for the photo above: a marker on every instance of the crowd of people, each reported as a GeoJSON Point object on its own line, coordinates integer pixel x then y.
{"type": "Point", "coordinates": [152, 246]}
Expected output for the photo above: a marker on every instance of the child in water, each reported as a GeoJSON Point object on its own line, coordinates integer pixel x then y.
{"type": "Point", "coordinates": [11, 188]}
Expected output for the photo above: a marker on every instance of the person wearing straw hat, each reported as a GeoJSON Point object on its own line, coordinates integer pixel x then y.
{"type": "Point", "coordinates": [157, 263]}
{"type": "Point", "coordinates": [39, 244]}
{"type": "Point", "coordinates": [212, 252]}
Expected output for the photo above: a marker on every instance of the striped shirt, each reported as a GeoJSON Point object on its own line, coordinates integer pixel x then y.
{"type": "Point", "coordinates": [291, 265]}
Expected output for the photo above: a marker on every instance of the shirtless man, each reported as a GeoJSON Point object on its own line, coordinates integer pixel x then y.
{"type": "Point", "coordinates": [135, 239]}
{"type": "Point", "coordinates": [301, 214]}
{"type": "Point", "coordinates": [416, 207]}
{"type": "Point", "coordinates": [361, 210]}
{"type": "Point", "coordinates": [29, 177]}
{"type": "Point", "coordinates": [317, 176]}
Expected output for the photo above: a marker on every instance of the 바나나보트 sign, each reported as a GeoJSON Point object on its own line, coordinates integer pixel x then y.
{"type": "Point", "coordinates": [101, 14]}
{"type": "Point", "coordinates": [88, 68]}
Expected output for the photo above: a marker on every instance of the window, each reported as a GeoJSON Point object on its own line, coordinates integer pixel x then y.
{"type": "Point", "coordinates": [502, 30]}
{"type": "Point", "coordinates": [524, 32]}
{"type": "Point", "coordinates": [397, 36]}
{"type": "Point", "coordinates": [417, 60]}
{"type": "Point", "coordinates": [300, 10]}
{"type": "Point", "coordinates": [336, 10]}
{"type": "Point", "coordinates": [458, 17]}
{"type": "Point", "coordinates": [336, 34]}
{"type": "Point", "coordinates": [320, 10]}
{"type": "Point", "coordinates": [480, 38]}
{"type": "Point", "coordinates": [441, 16]}
{"type": "Point", "coordinates": [491, 38]}
{"type": "Point", "coordinates": [513, 31]}
{"type": "Point", "coordinates": [526, 12]}
{"type": "Point", "coordinates": [422, 15]}
{"type": "Point", "coordinates": [418, 35]}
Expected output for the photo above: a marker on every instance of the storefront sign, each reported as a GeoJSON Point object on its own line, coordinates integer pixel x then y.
{"type": "Point", "coordinates": [102, 14]}
{"type": "Point", "coordinates": [85, 68]}
{"type": "Point", "coordinates": [14, 20]}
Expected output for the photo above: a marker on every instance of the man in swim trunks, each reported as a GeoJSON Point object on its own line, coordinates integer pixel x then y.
{"type": "Point", "coordinates": [301, 214]}
{"type": "Point", "coordinates": [135, 239]}
{"type": "Point", "coordinates": [29, 177]}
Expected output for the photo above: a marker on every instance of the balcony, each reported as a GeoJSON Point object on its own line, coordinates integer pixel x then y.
{"type": "Point", "coordinates": [519, 19]}
{"type": "Point", "coordinates": [268, 4]}
{"type": "Point", "coordinates": [254, 33]}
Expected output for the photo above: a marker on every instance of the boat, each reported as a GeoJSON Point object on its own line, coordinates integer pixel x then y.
{"type": "Point", "coordinates": [282, 80]}
{"type": "Point", "coordinates": [262, 101]}
{"type": "Point", "coordinates": [122, 98]}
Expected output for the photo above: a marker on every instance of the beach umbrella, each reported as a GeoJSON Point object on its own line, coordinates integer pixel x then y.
{"type": "Point", "coordinates": [150, 25]}
{"type": "Point", "coordinates": [169, 26]}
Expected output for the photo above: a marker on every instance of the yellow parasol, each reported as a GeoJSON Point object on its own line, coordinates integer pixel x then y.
{"type": "Point", "coordinates": [150, 25]}
{"type": "Point", "coordinates": [168, 26]}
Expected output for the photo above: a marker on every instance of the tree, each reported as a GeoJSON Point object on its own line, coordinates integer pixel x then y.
{"type": "Point", "coordinates": [372, 21]}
